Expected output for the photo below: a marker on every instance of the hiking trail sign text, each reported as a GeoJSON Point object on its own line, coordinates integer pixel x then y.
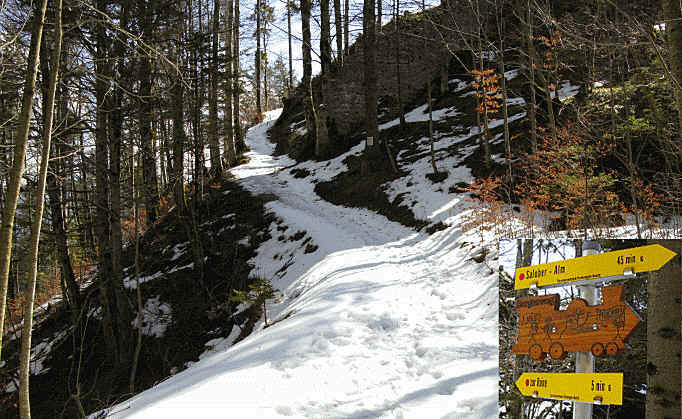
{"type": "Point", "coordinates": [601, 329]}
{"type": "Point", "coordinates": [602, 265]}
{"type": "Point", "coordinates": [603, 388]}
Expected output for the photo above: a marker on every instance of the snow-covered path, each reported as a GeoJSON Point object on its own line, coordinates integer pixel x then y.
{"type": "Point", "coordinates": [338, 227]}
{"type": "Point", "coordinates": [379, 321]}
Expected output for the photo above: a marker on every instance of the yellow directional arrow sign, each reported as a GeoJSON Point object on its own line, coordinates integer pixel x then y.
{"type": "Point", "coordinates": [638, 259]}
{"type": "Point", "coordinates": [602, 388]}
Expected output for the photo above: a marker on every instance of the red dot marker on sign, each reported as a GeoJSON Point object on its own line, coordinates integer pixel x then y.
{"type": "Point", "coordinates": [527, 382]}
{"type": "Point", "coordinates": [521, 277]}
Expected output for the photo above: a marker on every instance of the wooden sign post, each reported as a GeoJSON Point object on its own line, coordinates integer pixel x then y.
{"type": "Point", "coordinates": [588, 329]}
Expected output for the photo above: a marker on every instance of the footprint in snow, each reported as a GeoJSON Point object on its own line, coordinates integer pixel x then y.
{"type": "Point", "coordinates": [284, 410]}
{"type": "Point", "coordinates": [454, 316]}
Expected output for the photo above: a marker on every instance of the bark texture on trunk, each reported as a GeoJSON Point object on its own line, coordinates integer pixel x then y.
{"type": "Point", "coordinates": [259, 108]}
{"type": "Point", "coordinates": [308, 105]}
{"type": "Point", "coordinates": [339, 32]}
{"type": "Point", "coordinates": [149, 177]}
{"type": "Point", "coordinates": [346, 35]}
{"type": "Point", "coordinates": [228, 143]}
{"type": "Point", "coordinates": [663, 337]}
{"type": "Point", "coordinates": [240, 146]}
{"type": "Point", "coordinates": [25, 354]}
{"type": "Point", "coordinates": [213, 145]}
{"type": "Point", "coordinates": [325, 35]}
{"type": "Point", "coordinates": [672, 13]}
{"type": "Point", "coordinates": [177, 115]}
{"type": "Point", "coordinates": [17, 171]}
{"type": "Point", "coordinates": [372, 150]}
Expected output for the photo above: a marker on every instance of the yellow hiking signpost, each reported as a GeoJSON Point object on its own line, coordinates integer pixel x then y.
{"type": "Point", "coordinates": [603, 265]}
{"type": "Point", "coordinates": [602, 388]}
{"type": "Point", "coordinates": [541, 322]}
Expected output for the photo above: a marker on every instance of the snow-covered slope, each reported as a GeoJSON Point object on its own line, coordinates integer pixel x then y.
{"type": "Point", "coordinates": [377, 320]}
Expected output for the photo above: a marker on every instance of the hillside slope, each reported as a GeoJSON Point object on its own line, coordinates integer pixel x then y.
{"type": "Point", "coordinates": [377, 320]}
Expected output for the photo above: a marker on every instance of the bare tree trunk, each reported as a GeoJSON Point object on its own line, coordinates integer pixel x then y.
{"type": "Point", "coordinates": [544, 80]}
{"type": "Point", "coordinates": [101, 219]}
{"type": "Point", "coordinates": [12, 193]}
{"type": "Point", "coordinates": [380, 14]}
{"type": "Point", "coordinates": [240, 145]}
{"type": "Point", "coordinates": [70, 289]}
{"type": "Point", "coordinates": [325, 44]}
{"type": "Point", "coordinates": [149, 178]}
{"type": "Point", "coordinates": [138, 342]}
{"type": "Point", "coordinates": [346, 34]}
{"type": "Point", "coordinates": [114, 283]}
{"type": "Point", "coordinates": [290, 80]}
{"type": "Point", "coordinates": [632, 172]}
{"type": "Point", "coordinates": [266, 94]}
{"type": "Point", "coordinates": [429, 101]}
{"type": "Point", "coordinates": [308, 106]}
{"type": "Point", "coordinates": [672, 12]}
{"type": "Point", "coordinates": [228, 143]}
{"type": "Point", "coordinates": [177, 112]}
{"type": "Point", "coordinates": [25, 355]}
{"type": "Point", "coordinates": [524, 14]}
{"type": "Point", "coordinates": [258, 12]}
{"type": "Point", "coordinates": [372, 150]}
{"type": "Point", "coordinates": [339, 32]}
{"type": "Point", "coordinates": [499, 10]}
{"type": "Point", "coordinates": [663, 338]}
{"type": "Point", "coordinates": [396, 29]}
{"type": "Point", "coordinates": [486, 131]}
{"type": "Point", "coordinates": [160, 130]}
{"type": "Point", "coordinates": [216, 163]}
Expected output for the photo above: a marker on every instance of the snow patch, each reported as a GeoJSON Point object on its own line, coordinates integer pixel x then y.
{"type": "Point", "coordinates": [156, 317]}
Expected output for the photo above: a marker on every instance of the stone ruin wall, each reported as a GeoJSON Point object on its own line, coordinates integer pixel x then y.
{"type": "Point", "coordinates": [343, 90]}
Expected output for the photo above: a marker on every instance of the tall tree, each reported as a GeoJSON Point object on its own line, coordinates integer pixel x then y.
{"type": "Point", "coordinates": [111, 319]}
{"type": "Point", "coordinates": [672, 12]}
{"type": "Point", "coordinates": [290, 86]}
{"type": "Point", "coordinates": [396, 29]}
{"type": "Point", "coordinates": [429, 99]}
{"type": "Point", "coordinates": [325, 43]}
{"type": "Point", "coordinates": [500, 10]}
{"type": "Point", "coordinates": [236, 90]}
{"type": "Point", "coordinates": [267, 17]}
{"type": "Point", "coordinates": [370, 83]}
{"type": "Point", "coordinates": [259, 11]}
{"type": "Point", "coordinates": [149, 177]}
{"type": "Point", "coordinates": [55, 183]}
{"type": "Point", "coordinates": [380, 14]}
{"type": "Point", "coordinates": [197, 97]}
{"type": "Point", "coordinates": [308, 106]}
{"type": "Point", "coordinates": [177, 113]}
{"type": "Point", "coordinates": [121, 85]}
{"type": "Point", "coordinates": [228, 143]}
{"type": "Point", "coordinates": [481, 108]}
{"type": "Point", "coordinates": [25, 355]}
{"type": "Point", "coordinates": [339, 31]}
{"type": "Point", "coordinates": [17, 171]}
{"type": "Point", "coordinates": [663, 337]}
{"type": "Point", "coordinates": [61, 157]}
{"type": "Point", "coordinates": [214, 148]}
{"type": "Point", "coordinates": [346, 33]}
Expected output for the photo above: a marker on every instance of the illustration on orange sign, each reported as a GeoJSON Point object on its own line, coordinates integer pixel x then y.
{"type": "Point", "coordinates": [601, 329]}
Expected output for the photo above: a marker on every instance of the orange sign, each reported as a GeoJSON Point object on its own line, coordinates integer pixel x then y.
{"type": "Point", "coordinates": [601, 329]}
